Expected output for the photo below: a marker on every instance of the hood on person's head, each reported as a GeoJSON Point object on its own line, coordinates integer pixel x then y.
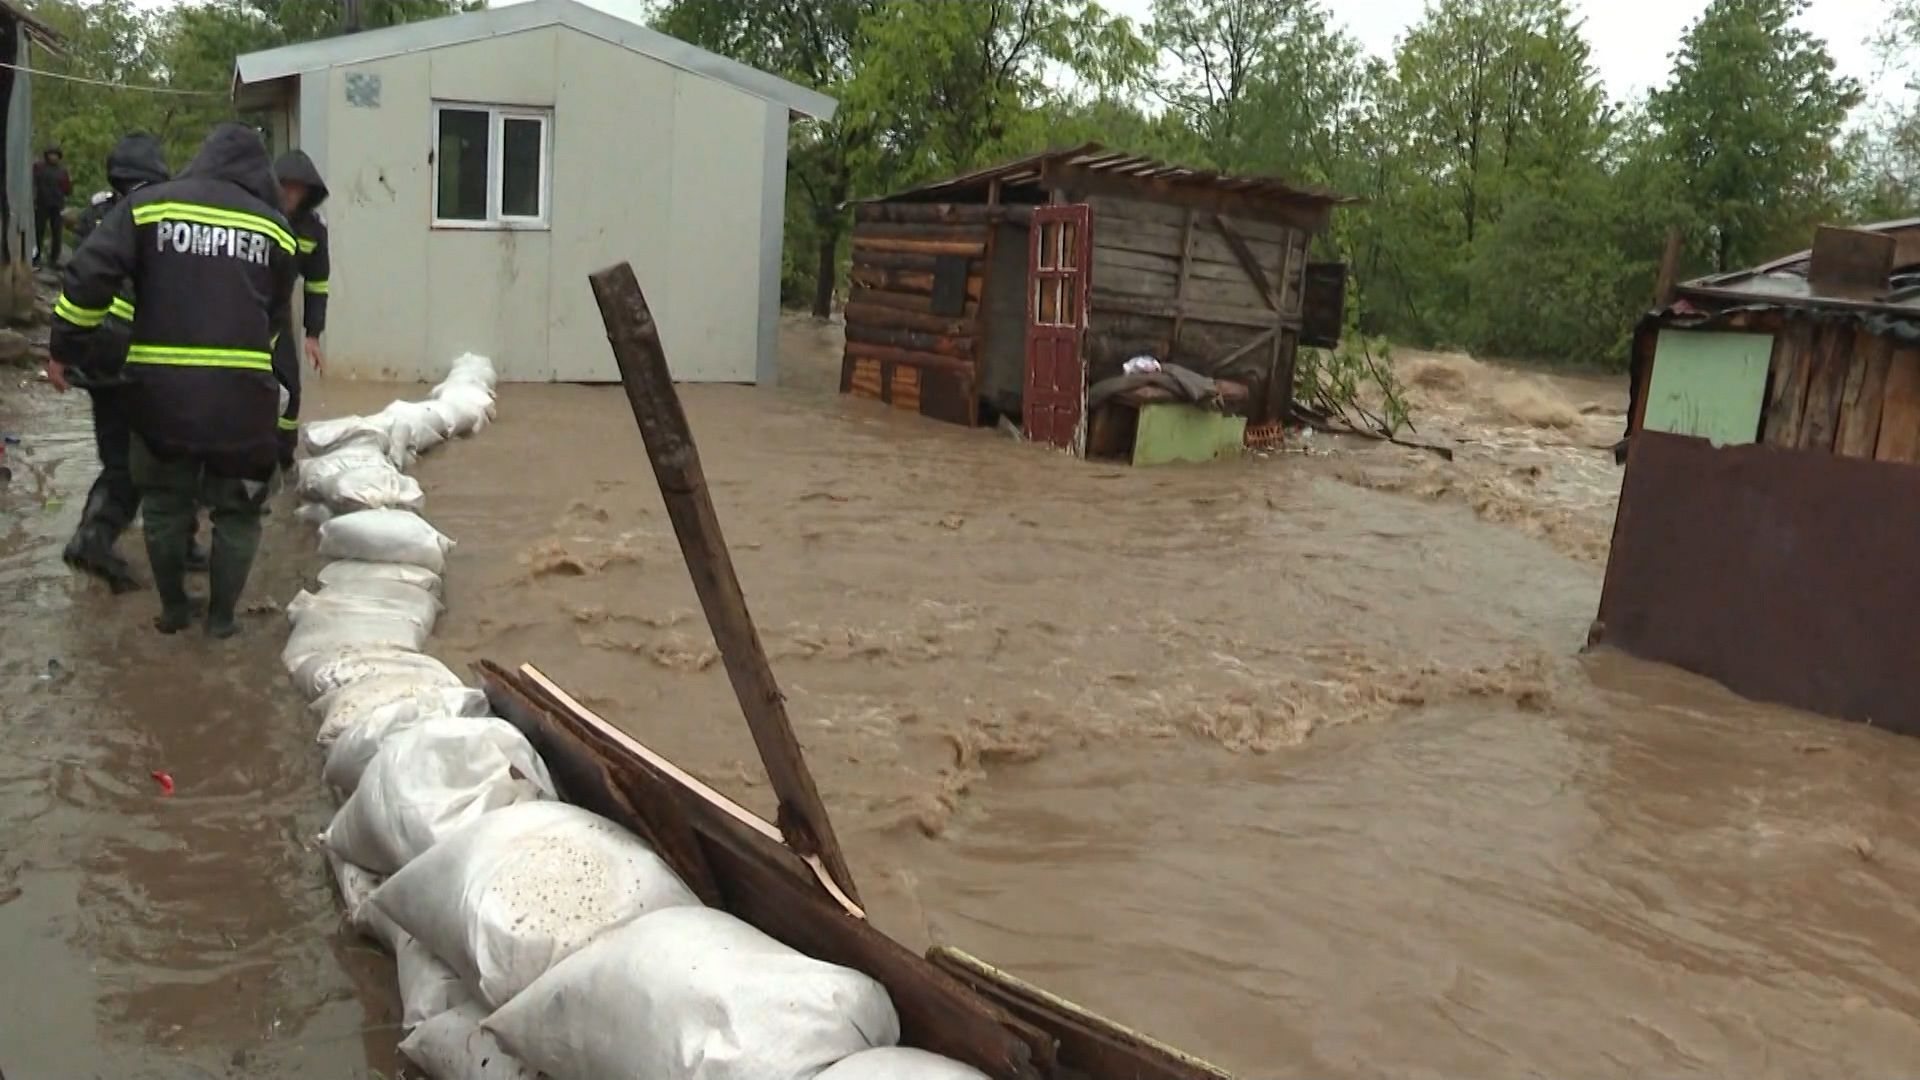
{"type": "Point", "coordinates": [136, 161]}
{"type": "Point", "coordinates": [234, 152]}
{"type": "Point", "coordinates": [54, 155]}
{"type": "Point", "coordinates": [300, 179]}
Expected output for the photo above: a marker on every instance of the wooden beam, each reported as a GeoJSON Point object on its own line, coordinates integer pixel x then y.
{"type": "Point", "coordinates": [1248, 262]}
{"type": "Point", "coordinates": [663, 426]}
{"type": "Point", "coordinates": [1307, 214]}
{"type": "Point", "coordinates": [891, 354]}
{"type": "Point", "coordinates": [920, 247]}
{"type": "Point", "coordinates": [1669, 269]}
{"type": "Point", "coordinates": [1180, 290]}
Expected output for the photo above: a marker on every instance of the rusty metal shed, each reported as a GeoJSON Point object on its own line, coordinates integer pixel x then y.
{"type": "Point", "coordinates": [1009, 290]}
{"type": "Point", "coordinates": [1764, 536]}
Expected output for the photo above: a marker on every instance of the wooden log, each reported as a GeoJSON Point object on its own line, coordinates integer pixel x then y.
{"type": "Point", "coordinates": [1861, 404]}
{"type": "Point", "coordinates": [663, 426]}
{"type": "Point", "coordinates": [1788, 371]}
{"type": "Point", "coordinates": [907, 319]}
{"type": "Point", "coordinates": [907, 281]}
{"type": "Point", "coordinates": [1248, 260]}
{"type": "Point", "coordinates": [920, 247]}
{"type": "Point", "coordinates": [911, 302]}
{"type": "Point", "coordinates": [927, 213]}
{"type": "Point", "coordinates": [888, 354]}
{"type": "Point", "coordinates": [1900, 412]}
{"type": "Point", "coordinates": [864, 377]}
{"type": "Point", "coordinates": [1669, 269]}
{"type": "Point", "coordinates": [960, 348]}
{"type": "Point", "coordinates": [903, 388]}
{"type": "Point", "coordinates": [886, 230]}
{"type": "Point", "coordinates": [894, 260]}
{"type": "Point", "coordinates": [1826, 385]}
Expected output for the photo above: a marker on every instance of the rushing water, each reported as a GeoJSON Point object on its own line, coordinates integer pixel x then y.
{"type": "Point", "coordinates": [1293, 762]}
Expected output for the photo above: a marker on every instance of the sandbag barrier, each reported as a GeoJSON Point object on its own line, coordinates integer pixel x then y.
{"type": "Point", "coordinates": [531, 937]}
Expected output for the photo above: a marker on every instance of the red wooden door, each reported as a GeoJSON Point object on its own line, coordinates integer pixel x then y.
{"type": "Point", "coordinates": [1056, 384]}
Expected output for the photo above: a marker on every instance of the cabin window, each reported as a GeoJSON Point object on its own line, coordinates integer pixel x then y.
{"type": "Point", "coordinates": [493, 167]}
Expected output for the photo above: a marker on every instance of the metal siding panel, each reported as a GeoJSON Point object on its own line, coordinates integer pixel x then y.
{"type": "Point", "coordinates": [20, 149]}
{"type": "Point", "coordinates": [711, 329]}
{"type": "Point", "coordinates": [773, 222]}
{"type": "Point", "coordinates": [516, 69]}
{"type": "Point", "coordinates": [381, 183]}
{"type": "Point", "coordinates": [1709, 385]}
{"type": "Point", "coordinates": [612, 197]}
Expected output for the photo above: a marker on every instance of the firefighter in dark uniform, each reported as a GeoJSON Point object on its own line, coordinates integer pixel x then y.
{"type": "Point", "coordinates": [211, 260]}
{"type": "Point", "coordinates": [301, 193]}
{"type": "Point", "coordinates": [113, 502]}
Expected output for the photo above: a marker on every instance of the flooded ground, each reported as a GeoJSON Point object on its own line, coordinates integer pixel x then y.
{"type": "Point", "coordinates": [1292, 762]}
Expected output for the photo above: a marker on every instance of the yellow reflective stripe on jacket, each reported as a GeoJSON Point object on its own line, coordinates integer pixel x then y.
{"type": "Point", "coordinates": [317, 288]}
{"type": "Point", "coordinates": [308, 246]}
{"type": "Point", "coordinates": [190, 356]}
{"type": "Point", "coordinates": [83, 317]}
{"type": "Point", "coordinates": [122, 309]}
{"type": "Point", "coordinates": [213, 215]}
{"type": "Point", "coordinates": [289, 425]}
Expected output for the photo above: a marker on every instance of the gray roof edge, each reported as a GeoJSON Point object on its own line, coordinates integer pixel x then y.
{"type": "Point", "coordinates": [515, 18]}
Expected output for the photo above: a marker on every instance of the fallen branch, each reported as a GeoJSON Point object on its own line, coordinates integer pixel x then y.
{"type": "Point", "coordinates": [1348, 427]}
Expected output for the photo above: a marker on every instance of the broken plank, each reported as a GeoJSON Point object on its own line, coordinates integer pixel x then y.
{"type": "Point", "coordinates": [1861, 405]}
{"type": "Point", "coordinates": [1900, 412]}
{"type": "Point", "coordinates": [1248, 260]}
{"type": "Point", "coordinates": [1826, 386]}
{"type": "Point", "coordinates": [1789, 370]}
{"type": "Point", "coordinates": [644, 373]}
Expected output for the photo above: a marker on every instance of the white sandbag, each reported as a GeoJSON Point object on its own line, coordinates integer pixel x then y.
{"type": "Point", "coordinates": [427, 986]}
{"type": "Point", "coordinates": [386, 536]}
{"type": "Point", "coordinates": [339, 633]}
{"type": "Point", "coordinates": [415, 427]}
{"type": "Point", "coordinates": [452, 1046]}
{"type": "Point", "coordinates": [692, 994]}
{"type": "Point", "coordinates": [310, 472]}
{"type": "Point", "coordinates": [375, 486]}
{"type": "Point", "coordinates": [428, 781]}
{"type": "Point", "coordinates": [352, 571]}
{"type": "Point", "coordinates": [323, 673]}
{"type": "Point", "coordinates": [467, 407]}
{"type": "Point", "coordinates": [327, 436]}
{"type": "Point", "coordinates": [378, 598]}
{"type": "Point", "coordinates": [506, 898]}
{"type": "Point", "coordinates": [315, 514]}
{"type": "Point", "coordinates": [900, 1063]}
{"type": "Point", "coordinates": [355, 884]}
{"type": "Point", "coordinates": [355, 702]}
{"type": "Point", "coordinates": [353, 751]}
{"type": "Point", "coordinates": [474, 369]}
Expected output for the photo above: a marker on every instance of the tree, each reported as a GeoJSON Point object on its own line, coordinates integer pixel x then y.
{"type": "Point", "coordinates": [1751, 115]}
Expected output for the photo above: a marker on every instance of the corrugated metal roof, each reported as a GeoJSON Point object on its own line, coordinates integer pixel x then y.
{"type": "Point", "coordinates": [1785, 280]}
{"type": "Point", "coordinates": [613, 21]}
{"type": "Point", "coordinates": [1094, 158]}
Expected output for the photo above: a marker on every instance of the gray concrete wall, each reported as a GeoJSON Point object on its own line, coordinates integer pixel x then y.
{"type": "Point", "coordinates": [651, 165]}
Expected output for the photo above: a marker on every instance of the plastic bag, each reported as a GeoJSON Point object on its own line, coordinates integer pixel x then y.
{"type": "Point", "coordinates": [386, 536]}
{"type": "Point", "coordinates": [900, 1063]}
{"type": "Point", "coordinates": [349, 705]}
{"type": "Point", "coordinates": [647, 999]}
{"type": "Point", "coordinates": [506, 898]}
{"type": "Point", "coordinates": [452, 1046]}
{"type": "Point", "coordinates": [323, 673]}
{"type": "Point", "coordinates": [427, 986]}
{"type": "Point", "coordinates": [353, 571]}
{"type": "Point", "coordinates": [374, 486]}
{"type": "Point", "coordinates": [428, 781]}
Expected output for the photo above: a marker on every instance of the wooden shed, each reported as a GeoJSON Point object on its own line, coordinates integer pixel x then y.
{"type": "Point", "coordinates": [1009, 291]}
{"type": "Point", "coordinates": [1771, 500]}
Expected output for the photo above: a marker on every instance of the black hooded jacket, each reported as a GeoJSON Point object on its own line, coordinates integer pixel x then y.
{"type": "Point", "coordinates": [212, 265]}
{"type": "Point", "coordinates": [135, 162]}
{"type": "Point", "coordinates": [310, 232]}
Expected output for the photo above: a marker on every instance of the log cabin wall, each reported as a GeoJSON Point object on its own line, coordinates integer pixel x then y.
{"type": "Point", "coordinates": [1218, 294]}
{"type": "Point", "coordinates": [914, 317]}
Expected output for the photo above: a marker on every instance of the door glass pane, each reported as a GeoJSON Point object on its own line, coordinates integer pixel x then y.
{"type": "Point", "coordinates": [462, 194]}
{"type": "Point", "coordinates": [1049, 241]}
{"type": "Point", "coordinates": [1049, 302]}
{"type": "Point", "coordinates": [520, 178]}
{"type": "Point", "coordinates": [1069, 244]}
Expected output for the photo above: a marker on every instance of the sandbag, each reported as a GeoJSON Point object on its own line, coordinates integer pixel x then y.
{"type": "Point", "coordinates": [474, 369]}
{"type": "Point", "coordinates": [315, 514]}
{"type": "Point", "coordinates": [323, 673]}
{"type": "Point", "coordinates": [353, 751]}
{"type": "Point", "coordinates": [509, 896]}
{"type": "Point", "coordinates": [310, 472]}
{"type": "Point", "coordinates": [349, 705]}
{"type": "Point", "coordinates": [355, 885]}
{"type": "Point", "coordinates": [386, 536]}
{"type": "Point", "coordinates": [427, 986]}
{"type": "Point", "coordinates": [354, 571]}
{"type": "Point", "coordinates": [320, 437]}
{"type": "Point", "coordinates": [452, 1046]}
{"type": "Point", "coordinates": [336, 635]}
{"type": "Point", "coordinates": [900, 1063]}
{"type": "Point", "coordinates": [466, 407]}
{"type": "Point", "coordinates": [415, 427]}
{"type": "Point", "coordinates": [379, 598]}
{"type": "Point", "coordinates": [692, 994]}
{"type": "Point", "coordinates": [376, 485]}
{"type": "Point", "coordinates": [428, 781]}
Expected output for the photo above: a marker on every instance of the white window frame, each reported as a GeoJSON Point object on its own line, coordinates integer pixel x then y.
{"type": "Point", "coordinates": [497, 116]}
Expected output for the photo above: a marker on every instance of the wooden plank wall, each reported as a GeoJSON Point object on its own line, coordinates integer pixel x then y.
{"type": "Point", "coordinates": [1219, 296]}
{"type": "Point", "coordinates": [1838, 387]}
{"type": "Point", "coordinates": [901, 349]}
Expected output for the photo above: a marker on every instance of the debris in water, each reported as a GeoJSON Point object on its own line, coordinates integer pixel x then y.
{"type": "Point", "coordinates": [54, 671]}
{"type": "Point", "coordinates": [165, 781]}
{"type": "Point", "coordinates": [1863, 847]}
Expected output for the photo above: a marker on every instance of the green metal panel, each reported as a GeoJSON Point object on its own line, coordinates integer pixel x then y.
{"type": "Point", "coordinates": [1178, 432]}
{"type": "Point", "coordinates": [1711, 386]}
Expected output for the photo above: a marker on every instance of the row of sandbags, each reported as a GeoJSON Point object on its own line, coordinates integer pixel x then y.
{"type": "Point", "coordinates": [531, 937]}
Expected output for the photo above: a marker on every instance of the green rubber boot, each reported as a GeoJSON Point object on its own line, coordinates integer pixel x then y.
{"type": "Point", "coordinates": [167, 505]}
{"type": "Point", "coordinates": [236, 539]}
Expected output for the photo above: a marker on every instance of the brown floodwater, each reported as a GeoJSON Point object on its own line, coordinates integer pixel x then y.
{"type": "Point", "coordinates": [1293, 762]}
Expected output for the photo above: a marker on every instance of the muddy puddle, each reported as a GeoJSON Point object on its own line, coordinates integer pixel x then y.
{"type": "Point", "coordinates": [1292, 762]}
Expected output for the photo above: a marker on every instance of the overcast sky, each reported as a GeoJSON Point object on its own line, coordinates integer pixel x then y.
{"type": "Point", "coordinates": [1632, 39]}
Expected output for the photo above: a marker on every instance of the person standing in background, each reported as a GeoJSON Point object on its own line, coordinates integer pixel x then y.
{"type": "Point", "coordinates": [301, 193]}
{"type": "Point", "coordinates": [211, 259]}
{"type": "Point", "coordinates": [51, 186]}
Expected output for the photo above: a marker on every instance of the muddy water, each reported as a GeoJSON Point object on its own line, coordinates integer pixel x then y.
{"type": "Point", "coordinates": [1291, 762]}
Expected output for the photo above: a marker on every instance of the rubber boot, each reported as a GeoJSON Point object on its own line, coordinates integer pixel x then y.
{"type": "Point", "coordinates": [167, 553]}
{"type": "Point", "coordinates": [198, 557]}
{"type": "Point", "coordinates": [236, 539]}
{"type": "Point", "coordinates": [91, 551]}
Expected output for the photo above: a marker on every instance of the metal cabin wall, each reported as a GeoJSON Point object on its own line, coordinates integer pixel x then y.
{"type": "Point", "coordinates": [1168, 282]}
{"type": "Point", "coordinates": [650, 165]}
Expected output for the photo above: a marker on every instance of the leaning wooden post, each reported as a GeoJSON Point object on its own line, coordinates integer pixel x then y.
{"type": "Point", "coordinates": [676, 465]}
